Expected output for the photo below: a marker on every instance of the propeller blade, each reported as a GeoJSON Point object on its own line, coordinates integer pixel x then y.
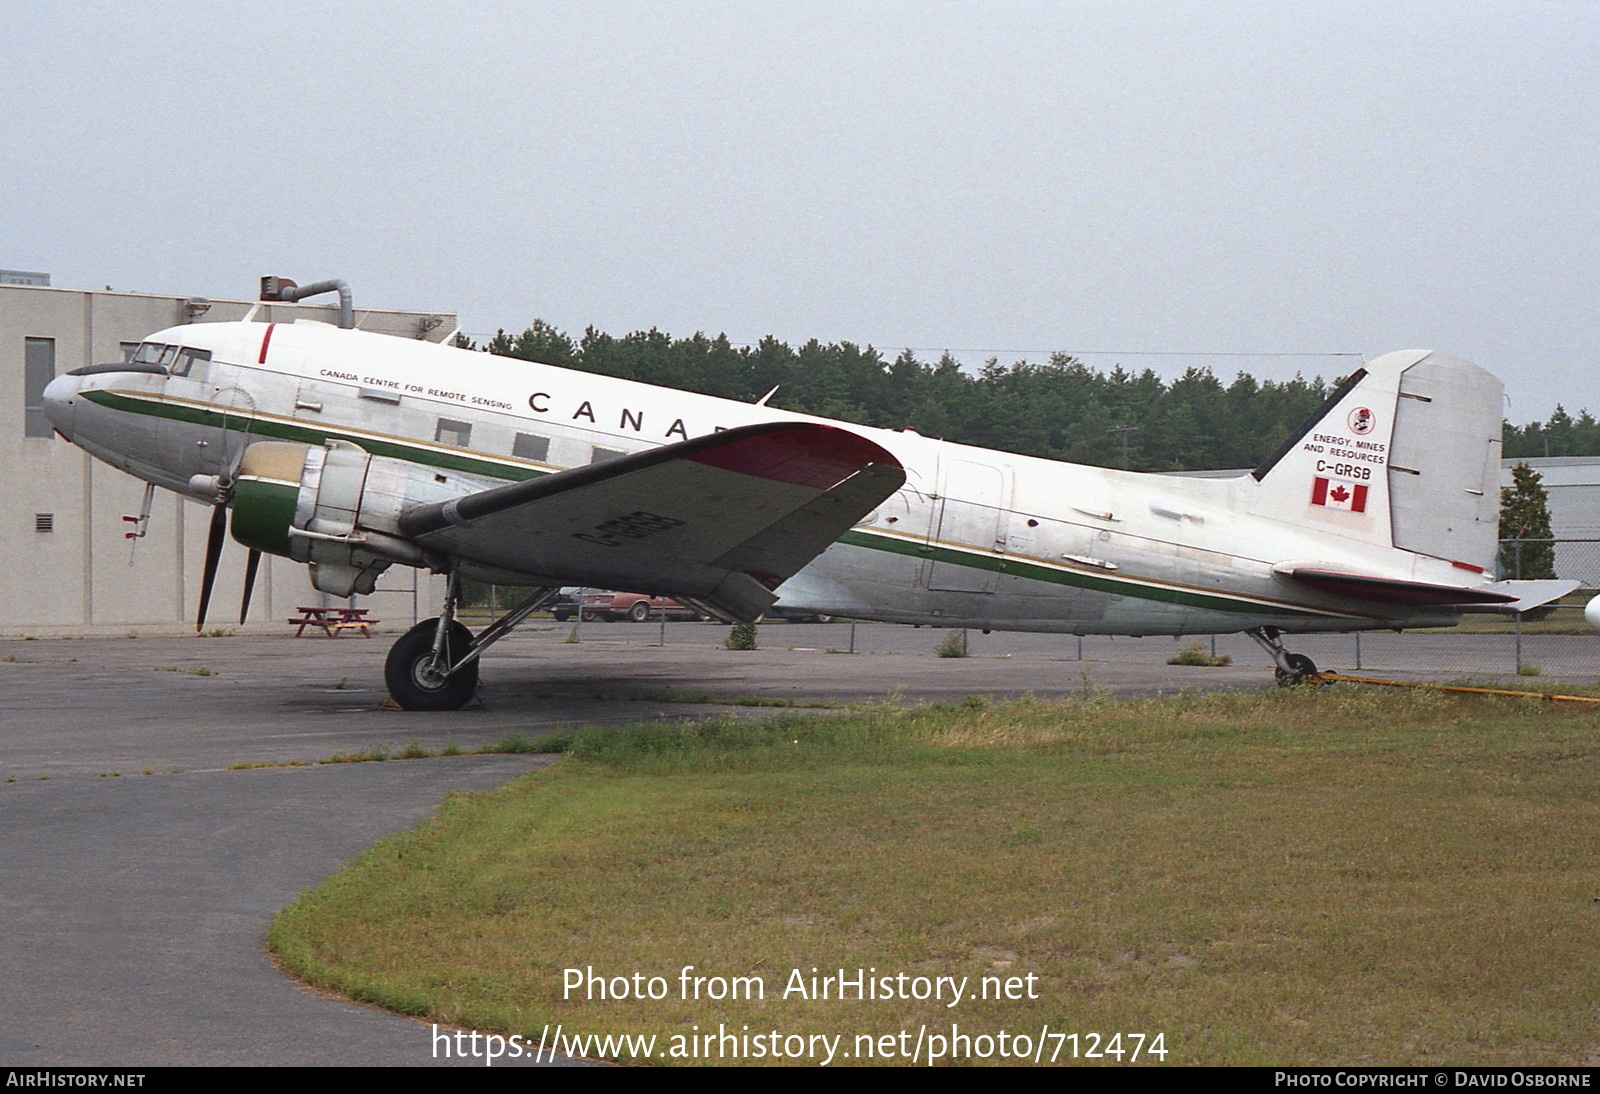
{"type": "Point", "coordinates": [208, 576]}
{"type": "Point", "coordinates": [250, 568]}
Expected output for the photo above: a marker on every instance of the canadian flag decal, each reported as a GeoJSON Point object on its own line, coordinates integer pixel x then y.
{"type": "Point", "coordinates": [1339, 495]}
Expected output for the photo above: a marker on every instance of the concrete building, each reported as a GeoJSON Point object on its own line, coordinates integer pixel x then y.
{"type": "Point", "coordinates": [1572, 489]}
{"type": "Point", "coordinates": [67, 566]}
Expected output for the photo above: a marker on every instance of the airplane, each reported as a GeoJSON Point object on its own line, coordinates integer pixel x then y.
{"type": "Point", "coordinates": [353, 452]}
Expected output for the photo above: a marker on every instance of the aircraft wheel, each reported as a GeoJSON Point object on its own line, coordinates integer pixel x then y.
{"type": "Point", "coordinates": [639, 612]}
{"type": "Point", "coordinates": [413, 680]}
{"type": "Point", "coordinates": [1302, 670]}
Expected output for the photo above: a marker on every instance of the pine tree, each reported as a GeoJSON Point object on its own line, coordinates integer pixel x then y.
{"type": "Point", "coordinates": [1525, 515]}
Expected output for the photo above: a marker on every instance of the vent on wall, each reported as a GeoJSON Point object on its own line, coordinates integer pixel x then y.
{"type": "Point", "coordinates": [44, 522]}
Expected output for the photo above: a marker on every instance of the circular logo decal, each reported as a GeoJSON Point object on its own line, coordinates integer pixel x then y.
{"type": "Point", "coordinates": [1361, 421]}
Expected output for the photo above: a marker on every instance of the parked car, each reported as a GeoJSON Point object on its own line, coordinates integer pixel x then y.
{"type": "Point", "coordinates": [635, 606]}
{"type": "Point", "coordinates": [565, 605]}
{"type": "Point", "coordinates": [796, 615]}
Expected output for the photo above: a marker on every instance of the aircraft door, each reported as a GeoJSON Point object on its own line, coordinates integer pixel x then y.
{"type": "Point", "coordinates": [967, 537]}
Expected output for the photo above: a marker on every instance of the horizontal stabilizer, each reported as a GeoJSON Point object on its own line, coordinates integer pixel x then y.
{"type": "Point", "coordinates": [1528, 594]}
{"type": "Point", "coordinates": [1398, 592]}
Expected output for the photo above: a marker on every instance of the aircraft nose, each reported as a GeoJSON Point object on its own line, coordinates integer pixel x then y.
{"type": "Point", "coordinates": [60, 397]}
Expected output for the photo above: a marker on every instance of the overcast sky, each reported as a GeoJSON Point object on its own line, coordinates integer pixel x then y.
{"type": "Point", "coordinates": [992, 178]}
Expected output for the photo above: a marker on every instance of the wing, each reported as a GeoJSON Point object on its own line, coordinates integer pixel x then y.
{"type": "Point", "coordinates": [722, 519]}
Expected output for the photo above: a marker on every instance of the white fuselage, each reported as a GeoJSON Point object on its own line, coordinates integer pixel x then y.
{"type": "Point", "coordinates": [975, 538]}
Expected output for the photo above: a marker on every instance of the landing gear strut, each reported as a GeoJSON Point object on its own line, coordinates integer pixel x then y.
{"type": "Point", "coordinates": [434, 665]}
{"type": "Point", "coordinates": [1292, 668]}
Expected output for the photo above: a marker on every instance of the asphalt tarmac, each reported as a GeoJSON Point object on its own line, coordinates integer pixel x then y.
{"type": "Point", "coordinates": [144, 856]}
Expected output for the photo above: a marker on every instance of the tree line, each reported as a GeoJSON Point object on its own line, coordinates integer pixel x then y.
{"type": "Point", "coordinates": [1061, 409]}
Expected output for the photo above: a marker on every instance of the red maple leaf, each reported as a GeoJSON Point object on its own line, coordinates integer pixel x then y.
{"type": "Point", "coordinates": [1339, 493]}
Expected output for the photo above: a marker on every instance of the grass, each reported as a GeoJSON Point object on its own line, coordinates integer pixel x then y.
{"type": "Point", "coordinates": [1194, 654]}
{"type": "Point", "coordinates": [1339, 876]}
{"type": "Point", "coordinates": [954, 645]}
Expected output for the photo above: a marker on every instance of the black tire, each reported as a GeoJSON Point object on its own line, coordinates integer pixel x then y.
{"type": "Point", "coordinates": [405, 669]}
{"type": "Point", "coordinates": [1302, 670]}
{"type": "Point", "coordinates": [588, 617]}
{"type": "Point", "coordinates": [562, 617]}
{"type": "Point", "coordinates": [639, 612]}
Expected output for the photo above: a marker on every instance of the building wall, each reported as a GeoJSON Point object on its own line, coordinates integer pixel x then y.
{"type": "Point", "coordinates": [83, 575]}
{"type": "Point", "coordinates": [1572, 491]}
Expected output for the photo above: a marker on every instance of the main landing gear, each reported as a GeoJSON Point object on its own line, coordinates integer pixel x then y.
{"type": "Point", "coordinates": [1293, 668]}
{"type": "Point", "coordinates": [434, 665]}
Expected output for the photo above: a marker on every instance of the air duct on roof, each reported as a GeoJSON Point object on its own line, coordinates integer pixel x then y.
{"type": "Point", "coordinates": [281, 288]}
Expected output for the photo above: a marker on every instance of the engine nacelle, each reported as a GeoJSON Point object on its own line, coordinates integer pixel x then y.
{"type": "Point", "coordinates": [1591, 613]}
{"type": "Point", "coordinates": [334, 507]}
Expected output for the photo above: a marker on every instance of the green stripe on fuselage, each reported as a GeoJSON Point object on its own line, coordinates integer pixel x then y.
{"type": "Point", "coordinates": [272, 429]}
{"type": "Point", "coordinates": [1115, 586]}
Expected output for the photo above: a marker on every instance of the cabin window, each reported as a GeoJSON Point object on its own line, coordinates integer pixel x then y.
{"type": "Point", "coordinates": [531, 446]}
{"type": "Point", "coordinates": [601, 455]}
{"type": "Point", "coordinates": [39, 368]}
{"type": "Point", "coordinates": [453, 432]}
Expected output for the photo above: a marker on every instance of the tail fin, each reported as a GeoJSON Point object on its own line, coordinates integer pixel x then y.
{"type": "Point", "coordinates": [1404, 453]}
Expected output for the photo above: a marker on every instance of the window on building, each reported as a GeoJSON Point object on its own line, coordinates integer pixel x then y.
{"type": "Point", "coordinates": [530, 446]}
{"type": "Point", "coordinates": [39, 368]}
{"type": "Point", "coordinates": [601, 455]}
{"type": "Point", "coordinates": [453, 432]}
{"type": "Point", "coordinates": [128, 350]}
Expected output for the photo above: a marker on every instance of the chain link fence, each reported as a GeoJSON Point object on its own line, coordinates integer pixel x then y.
{"type": "Point", "coordinates": [1553, 642]}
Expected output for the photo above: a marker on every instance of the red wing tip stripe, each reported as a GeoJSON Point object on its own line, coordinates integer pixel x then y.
{"type": "Point", "coordinates": [816, 456]}
{"type": "Point", "coordinates": [1467, 566]}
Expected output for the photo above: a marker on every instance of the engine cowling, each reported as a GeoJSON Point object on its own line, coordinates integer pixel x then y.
{"type": "Point", "coordinates": [335, 507]}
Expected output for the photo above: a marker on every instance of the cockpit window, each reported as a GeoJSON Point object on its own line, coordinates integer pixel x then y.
{"type": "Point", "coordinates": [149, 353]}
{"type": "Point", "coordinates": [169, 354]}
{"type": "Point", "coordinates": [186, 360]}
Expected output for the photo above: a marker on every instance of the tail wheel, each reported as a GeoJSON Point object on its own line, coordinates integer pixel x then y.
{"type": "Point", "coordinates": [1302, 670]}
{"type": "Point", "coordinates": [417, 682]}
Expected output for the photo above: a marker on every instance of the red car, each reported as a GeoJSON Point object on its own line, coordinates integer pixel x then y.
{"type": "Point", "coordinates": [635, 606]}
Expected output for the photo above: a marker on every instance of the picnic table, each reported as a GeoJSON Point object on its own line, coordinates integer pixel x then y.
{"type": "Point", "coordinates": [333, 621]}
